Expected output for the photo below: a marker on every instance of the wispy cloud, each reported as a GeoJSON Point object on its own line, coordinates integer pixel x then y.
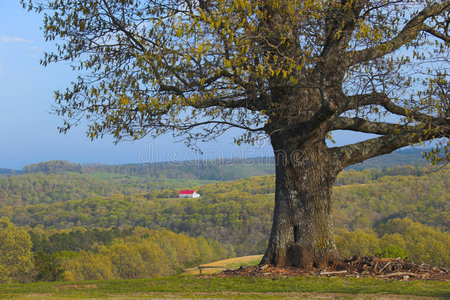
{"type": "Point", "coordinates": [8, 39]}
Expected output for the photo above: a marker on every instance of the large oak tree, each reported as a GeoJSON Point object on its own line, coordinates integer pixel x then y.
{"type": "Point", "coordinates": [291, 71]}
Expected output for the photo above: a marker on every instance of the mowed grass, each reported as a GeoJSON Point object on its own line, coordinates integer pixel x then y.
{"type": "Point", "coordinates": [231, 287]}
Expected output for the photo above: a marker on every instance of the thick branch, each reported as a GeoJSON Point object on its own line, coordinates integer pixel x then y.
{"type": "Point", "coordinates": [362, 125]}
{"type": "Point", "coordinates": [406, 35]}
{"type": "Point", "coordinates": [359, 152]}
{"type": "Point", "coordinates": [357, 101]}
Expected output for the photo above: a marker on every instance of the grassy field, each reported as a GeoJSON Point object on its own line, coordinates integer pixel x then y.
{"type": "Point", "coordinates": [242, 287]}
{"type": "Point", "coordinates": [187, 286]}
{"type": "Point", "coordinates": [230, 263]}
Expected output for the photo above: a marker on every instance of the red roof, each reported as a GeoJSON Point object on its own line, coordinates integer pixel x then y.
{"type": "Point", "coordinates": [186, 192]}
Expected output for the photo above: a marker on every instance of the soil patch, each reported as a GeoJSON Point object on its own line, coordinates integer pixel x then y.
{"type": "Point", "coordinates": [389, 268]}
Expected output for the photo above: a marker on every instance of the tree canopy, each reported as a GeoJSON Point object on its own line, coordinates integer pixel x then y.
{"type": "Point", "coordinates": [147, 67]}
{"type": "Point", "coordinates": [15, 252]}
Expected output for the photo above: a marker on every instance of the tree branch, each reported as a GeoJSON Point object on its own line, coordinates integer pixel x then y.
{"type": "Point", "coordinates": [192, 126]}
{"type": "Point", "coordinates": [120, 27]}
{"type": "Point", "coordinates": [436, 33]}
{"type": "Point", "coordinates": [362, 125]}
{"type": "Point", "coordinates": [357, 101]}
{"type": "Point", "coordinates": [359, 152]}
{"type": "Point", "coordinates": [407, 34]}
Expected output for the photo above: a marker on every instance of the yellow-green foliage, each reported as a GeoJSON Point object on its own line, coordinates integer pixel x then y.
{"type": "Point", "coordinates": [360, 242]}
{"type": "Point", "coordinates": [425, 244]}
{"type": "Point", "coordinates": [87, 265]}
{"type": "Point", "coordinates": [237, 213]}
{"type": "Point", "coordinates": [398, 238]}
{"type": "Point", "coordinates": [146, 253]}
{"type": "Point", "coordinates": [15, 252]}
{"type": "Point", "coordinates": [222, 61]}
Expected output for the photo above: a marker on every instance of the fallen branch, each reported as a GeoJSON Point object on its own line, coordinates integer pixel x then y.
{"type": "Point", "coordinates": [385, 266]}
{"type": "Point", "coordinates": [333, 272]}
{"type": "Point", "coordinates": [398, 274]}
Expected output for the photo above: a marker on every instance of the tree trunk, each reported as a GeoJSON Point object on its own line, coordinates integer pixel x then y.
{"type": "Point", "coordinates": [302, 230]}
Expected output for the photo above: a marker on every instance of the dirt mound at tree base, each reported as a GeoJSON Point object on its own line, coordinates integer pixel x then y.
{"type": "Point", "coordinates": [390, 268]}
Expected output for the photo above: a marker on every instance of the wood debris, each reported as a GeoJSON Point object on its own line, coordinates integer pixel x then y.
{"type": "Point", "coordinates": [386, 268]}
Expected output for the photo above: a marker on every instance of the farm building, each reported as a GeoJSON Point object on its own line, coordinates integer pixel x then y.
{"type": "Point", "coordinates": [188, 194]}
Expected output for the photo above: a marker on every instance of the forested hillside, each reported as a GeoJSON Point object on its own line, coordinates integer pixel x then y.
{"type": "Point", "coordinates": [223, 169]}
{"type": "Point", "coordinates": [50, 188]}
{"type": "Point", "coordinates": [81, 254]}
{"type": "Point", "coordinates": [82, 224]}
{"type": "Point", "coordinates": [237, 213]}
{"type": "Point", "coordinates": [219, 169]}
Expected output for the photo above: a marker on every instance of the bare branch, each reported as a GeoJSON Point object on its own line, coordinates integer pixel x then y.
{"type": "Point", "coordinates": [436, 33]}
{"type": "Point", "coordinates": [192, 126]}
{"type": "Point", "coordinates": [120, 27]}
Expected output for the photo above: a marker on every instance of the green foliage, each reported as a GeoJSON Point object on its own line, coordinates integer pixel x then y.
{"type": "Point", "coordinates": [392, 251]}
{"type": "Point", "coordinates": [230, 218]}
{"type": "Point", "coordinates": [421, 195]}
{"type": "Point", "coordinates": [16, 259]}
{"type": "Point", "coordinates": [292, 71]}
{"type": "Point", "coordinates": [424, 243]}
{"type": "Point", "coordinates": [230, 169]}
{"type": "Point", "coordinates": [398, 238]}
{"type": "Point", "coordinates": [50, 188]}
{"type": "Point", "coordinates": [239, 212]}
{"type": "Point", "coordinates": [87, 265]}
{"type": "Point", "coordinates": [76, 239]}
{"type": "Point", "coordinates": [54, 166]}
{"type": "Point", "coordinates": [47, 268]}
{"type": "Point", "coordinates": [225, 64]}
{"type": "Point", "coordinates": [359, 242]}
{"type": "Point", "coordinates": [97, 254]}
{"type": "Point", "coordinates": [139, 258]}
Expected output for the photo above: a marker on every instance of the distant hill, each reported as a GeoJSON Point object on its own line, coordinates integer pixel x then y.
{"type": "Point", "coordinates": [53, 166]}
{"type": "Point", "coordinates": [407, 157]}
{"type": "Point", "coordinates": [236, 213]}
{"type": "Point", "coordinates": [10, 172]}
{"type": "Point", "coordinates": [220, 169]}
{"type": "Point", "coordinates": [226, 169]}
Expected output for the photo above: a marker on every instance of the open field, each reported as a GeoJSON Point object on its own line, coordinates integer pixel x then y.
{"type": "Point", "coordinates": [242, 287]}
{"type": "Point", "coordinates": [230, 263]}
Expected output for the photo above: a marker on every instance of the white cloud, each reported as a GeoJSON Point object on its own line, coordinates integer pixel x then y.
{"type": "Point", "coordinates": [8, 39]}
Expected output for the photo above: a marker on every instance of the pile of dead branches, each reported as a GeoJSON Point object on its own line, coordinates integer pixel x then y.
{"type": "Point", "coordinates": [392, 268]}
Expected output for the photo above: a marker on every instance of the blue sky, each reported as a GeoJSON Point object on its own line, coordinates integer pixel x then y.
{"type": "Point", "coordinates": [28, 132]}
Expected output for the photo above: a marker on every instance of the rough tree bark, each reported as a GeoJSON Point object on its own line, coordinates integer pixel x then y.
{"type": "Point", "coordinates": [302, 230]}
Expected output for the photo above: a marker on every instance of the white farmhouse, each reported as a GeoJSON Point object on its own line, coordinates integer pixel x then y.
{"type": "Point", "coordinates": [188, 194]}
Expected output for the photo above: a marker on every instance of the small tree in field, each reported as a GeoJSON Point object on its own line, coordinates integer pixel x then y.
{"type": "Point", "coordinates": [292, 71]}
